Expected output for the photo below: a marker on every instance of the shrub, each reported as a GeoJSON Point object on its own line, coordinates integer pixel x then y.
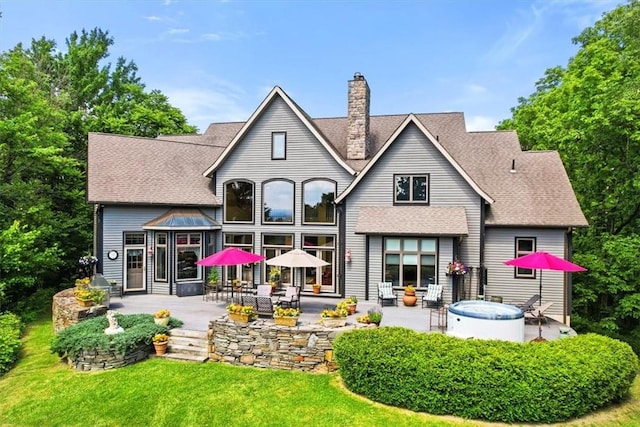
{"type": "Point", "coordinates": [89, 335]}
{"type": "Point", "coordinates": [482, 379]}
{"type": "Point", "coordinates": [10, 333]}
{"type": "Point", "coordinates": [35, 305]}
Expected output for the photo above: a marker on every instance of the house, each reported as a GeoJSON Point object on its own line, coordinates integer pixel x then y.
{"type": "Point", "coordinates": [381, 198]}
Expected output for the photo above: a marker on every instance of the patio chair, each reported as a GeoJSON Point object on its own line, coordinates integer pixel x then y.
{"type": "Point", "coordinates": [263, 291]}
{"type": "Point", "coordinates": [433, 296]}
{"type": "Point", "coordinates": [528, 304]}
{"type": "Point", "coordinates": [385, 293]}
{"type": "Point", "coordinates": [537, 313]}
{"type": "Point", "coordinates": [264, 306]}
{"type": "Point", "coordinates": [291, 297]}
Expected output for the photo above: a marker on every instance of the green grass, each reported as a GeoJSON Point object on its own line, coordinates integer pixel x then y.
{"type": "Point", "coordinates": [43, 391]}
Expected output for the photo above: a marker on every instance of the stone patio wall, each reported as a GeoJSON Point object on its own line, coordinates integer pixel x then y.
{"type": "Point", "coordinates": [66, 312]}
{"type": "Point", "coordinates": [263, 344]}
{"type": "Point", "coordinates": [100, 360]}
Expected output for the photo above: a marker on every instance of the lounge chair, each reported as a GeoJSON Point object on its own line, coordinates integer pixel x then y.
{"type": "Point", "coordinates": [291, 297]}
{"type": "Point", "coordinates": [433, 296]}
{"type": "Point", "coordinates": [537, 313]}
{"type": "Point", "coordinates": [385, 293]}
{"type": "Point", "coordinates": [528, 304]}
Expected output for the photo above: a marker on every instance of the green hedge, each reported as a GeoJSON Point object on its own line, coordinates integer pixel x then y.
{"type": "Point", "coordinates": [482, 379]}
{"type": "Point", "coordinates": [10, 344]}
{"type": "Point", "coordinates": [89, 334]}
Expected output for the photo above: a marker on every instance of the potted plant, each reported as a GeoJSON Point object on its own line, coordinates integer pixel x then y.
{"type": "Point", "coordinates": [214, 277]}
{"type": "Point", "coordinates": [98, 295]}
{"type": "Point", "coordinates": [316, 288]}
{"type": "Point", "coordinates": [161, 317]}
{"type": "Point", "coordinates": [352, 302]}
{"type": "Point", "coordinates": [456, 268]}
{"type": "Point", "coordinates": [336, 317]}
{"type": "Point", "coordinates": [83, 296]}
{"type": "Point", "coordinates": [409, 298]}
{"type": "Point", "coordinates": [160, 343]}
{"type": "Point", "coordinates": [375, 316]}
{"type": "Point", "coordinates": [286, 316]}
{"type": "Point", "coordinates": [241, 313]}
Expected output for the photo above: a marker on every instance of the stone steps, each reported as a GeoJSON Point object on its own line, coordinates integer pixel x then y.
{"type": "Point", "coordinates": [186, 345]}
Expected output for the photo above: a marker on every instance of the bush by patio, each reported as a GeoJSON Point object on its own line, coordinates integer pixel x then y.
{"type": "Point", "coordinates": [89, 334]}
{"type": "Point", "coordinates": [490, 380]}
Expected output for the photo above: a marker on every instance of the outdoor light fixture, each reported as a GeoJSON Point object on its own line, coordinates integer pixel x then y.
{"type": "Point", "coordinates": [347, 255]}
{"type": "Point", "coordinates": [150, 250]}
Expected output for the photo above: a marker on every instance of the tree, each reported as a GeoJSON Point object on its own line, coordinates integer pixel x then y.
{"type": "Point", "coordinates": [590, 113]}
{"type": "Point", "coordinates": [49, 101]}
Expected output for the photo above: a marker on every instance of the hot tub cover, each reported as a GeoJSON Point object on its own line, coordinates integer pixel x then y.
{"type": "Point", "coordinates": [486, 310]}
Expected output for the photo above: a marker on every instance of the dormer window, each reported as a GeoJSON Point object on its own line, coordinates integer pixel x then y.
{"type": "Point", "coordinates": [278, 145]}
{"type": "Point", "coordinates": [411, 189]}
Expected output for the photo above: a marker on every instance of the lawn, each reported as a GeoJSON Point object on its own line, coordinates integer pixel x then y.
{"type": "Point", "coordinates": [43, 391]}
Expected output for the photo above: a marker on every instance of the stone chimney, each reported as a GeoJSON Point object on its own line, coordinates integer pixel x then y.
{"type": "Point", "coordinates": [358, 119]}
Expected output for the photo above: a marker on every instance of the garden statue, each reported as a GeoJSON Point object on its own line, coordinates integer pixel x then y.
{"type": "Point", "coordinates": [113, 328]}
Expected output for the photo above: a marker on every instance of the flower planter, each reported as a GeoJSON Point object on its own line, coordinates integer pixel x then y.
{"type": "Point", "coordinates": [164, 321]}
{"type": "Point", "coordinates": [161, 347]}
{"type": "Point", "coordinates": [286, 321]}
{"type": "Point", "coordinates": [351, 308]}
{"type": "Point", "coordinates": [409, 299]}
{"type": "Point", "coordinates": [316, 290]}
{"type": "Point", "coordinates": [84, 302]}
{"type": "Point", "coordinates": [240, 318]}
{"type": "Point", "coordinates": [334, 323]}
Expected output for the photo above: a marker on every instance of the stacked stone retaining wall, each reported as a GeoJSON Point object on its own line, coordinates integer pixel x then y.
{"type": "Point", "coordinates": [66, 311]}
{"type": "Point", "coordinates": [100, 360]}
{"type": "Point", "coordinates": [263, 344]}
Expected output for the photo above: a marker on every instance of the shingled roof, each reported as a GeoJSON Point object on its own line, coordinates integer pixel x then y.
{"type": "Point", "coordinates": [169, 169]}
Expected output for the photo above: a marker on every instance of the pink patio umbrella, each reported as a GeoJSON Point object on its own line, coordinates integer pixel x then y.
{"type": "Point", "coordinates": [544, 261]}
{"type": "Point", "coordinates": [230, 256]}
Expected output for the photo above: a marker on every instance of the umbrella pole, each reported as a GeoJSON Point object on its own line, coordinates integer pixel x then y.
{"type": "Point", "coordinates": [540, 314]}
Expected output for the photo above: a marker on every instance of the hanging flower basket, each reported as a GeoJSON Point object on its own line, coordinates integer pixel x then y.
{"type": "Point", "coordinates": [456, 268]}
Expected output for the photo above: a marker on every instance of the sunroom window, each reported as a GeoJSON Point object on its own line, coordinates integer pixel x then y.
{"type": "Point", "coordinates": [318, 195]}
{"type": "Point", "coordinates": [277, 199]}
{"type": "Point", "coordinates": [238, 201]}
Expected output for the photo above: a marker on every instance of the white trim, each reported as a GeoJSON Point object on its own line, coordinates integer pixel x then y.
{"type": "Point", "coordinates": [411, 118]}
{"type": "Point", "coordinates": [276, 91]}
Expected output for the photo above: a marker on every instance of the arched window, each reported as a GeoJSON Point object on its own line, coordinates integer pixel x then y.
{"type": "Point", "coordinates": [238, 201]}
{"type": "Point", "coordinates": [318, 195]}
{"type": "Point", "coordinates": [277, 201]}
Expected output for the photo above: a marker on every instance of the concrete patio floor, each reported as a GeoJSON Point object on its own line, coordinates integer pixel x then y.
{"type": "Point", "coordinates": [196, 313]}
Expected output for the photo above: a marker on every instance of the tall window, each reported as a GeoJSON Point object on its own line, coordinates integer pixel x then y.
{"type": "Point", "coordinates": [238, 201]}
{"type": "Point", "coordinates": [323, 247]}
{"type": "Point", "coordinates": [318, 195]}
{"type": "Point", "coordinates": [279, 145]}
{"type": "Point", "coordinates": [525, 246]}
{"type": "Point", "coordinates": [161, 257]}
{"type": "Point", "coordinates": [277, 199]}
{"type": "Point", "coordinates": [272, 246]}
{"type": "Point", "coordinates": [411, 189]}
{"type": "Point", "coordinates": [410, 261]}
{"type": "Point", "coordinates": [242, 272]}
{"type": "Point", "coordinates": [188, 251]}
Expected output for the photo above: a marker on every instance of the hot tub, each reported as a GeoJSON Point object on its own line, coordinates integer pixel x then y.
{"type": "Point", "coordinates": [485, 320]}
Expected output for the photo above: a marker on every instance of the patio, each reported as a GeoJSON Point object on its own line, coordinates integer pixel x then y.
{"type": "Point", "coordinates": [196, 313]}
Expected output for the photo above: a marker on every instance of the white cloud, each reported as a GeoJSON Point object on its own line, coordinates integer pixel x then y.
{"type": "Point", "coordinates": [177, 31]}
{"type": "Point", "coordinates": [202, 106]}
{"type": "Point", "coordinates": [152, 18]}
{"type": "Point", "coordinates": [479, 123]}
{"type": "Point", "coordinates": [476, 89]}
{"type": "Point", "coordinates": [517, 33]}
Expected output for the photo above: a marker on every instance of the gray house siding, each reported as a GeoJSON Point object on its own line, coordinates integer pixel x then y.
{"type": "Point", "coordinates": [305, 159]}
{"type": "Point", "coordinates": [410, 153]}
{"type": "Point", "coordinates": [500, 247]}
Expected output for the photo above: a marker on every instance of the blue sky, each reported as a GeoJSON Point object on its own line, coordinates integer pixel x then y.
{"type": "Point", "coordinates": [217, 60]}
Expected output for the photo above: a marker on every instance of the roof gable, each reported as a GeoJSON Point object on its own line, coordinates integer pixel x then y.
{"type": "Point", "coordinates": [304, 118]}
{"type": "Point", "coordinates": [412, 119]}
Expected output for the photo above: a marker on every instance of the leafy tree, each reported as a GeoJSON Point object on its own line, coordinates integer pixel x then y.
{"type": "Point", "coordinates": [590, 112]}
{"type": "Point", "coordinates": [49, 101]}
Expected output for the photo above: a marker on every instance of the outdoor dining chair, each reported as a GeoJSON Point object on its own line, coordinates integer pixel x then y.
{"type": "Point", "coordinates": [291, 298]}
{"type": "Point", "coordinates": [385, 293]}
{"type": "Point", "coordinates": [433, 296]}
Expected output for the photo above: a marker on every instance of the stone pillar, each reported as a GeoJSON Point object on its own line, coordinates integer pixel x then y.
{"type": "Point", "coordinates": [358, 119]}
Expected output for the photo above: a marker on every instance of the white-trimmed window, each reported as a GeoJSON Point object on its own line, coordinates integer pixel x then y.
{"type": "Point", "coordinates": [161, 257]}
{"type": "Point", "coordinates": [278, 145]}
{"type": "Point", "coordinates": [322, 246]}
{"type": "Point", "coordinates": [525, 246]}
{"type": "Point", "coordinates": [318, 196]}
{"type": "Point", "coordinates": [277, 201]}
{"type": "Point", "coordinates": [243, 272]}
{"type": "Point", "coordinates": [188, 251]}
{"type": "Point", "coordinates": [274, 245]}
{"type": "Point", "coordinates": [410, 260]}
{"type": "Point", "coordinates": [411, 189]}
{"type": "Point", "coordinates": [238, 201]}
